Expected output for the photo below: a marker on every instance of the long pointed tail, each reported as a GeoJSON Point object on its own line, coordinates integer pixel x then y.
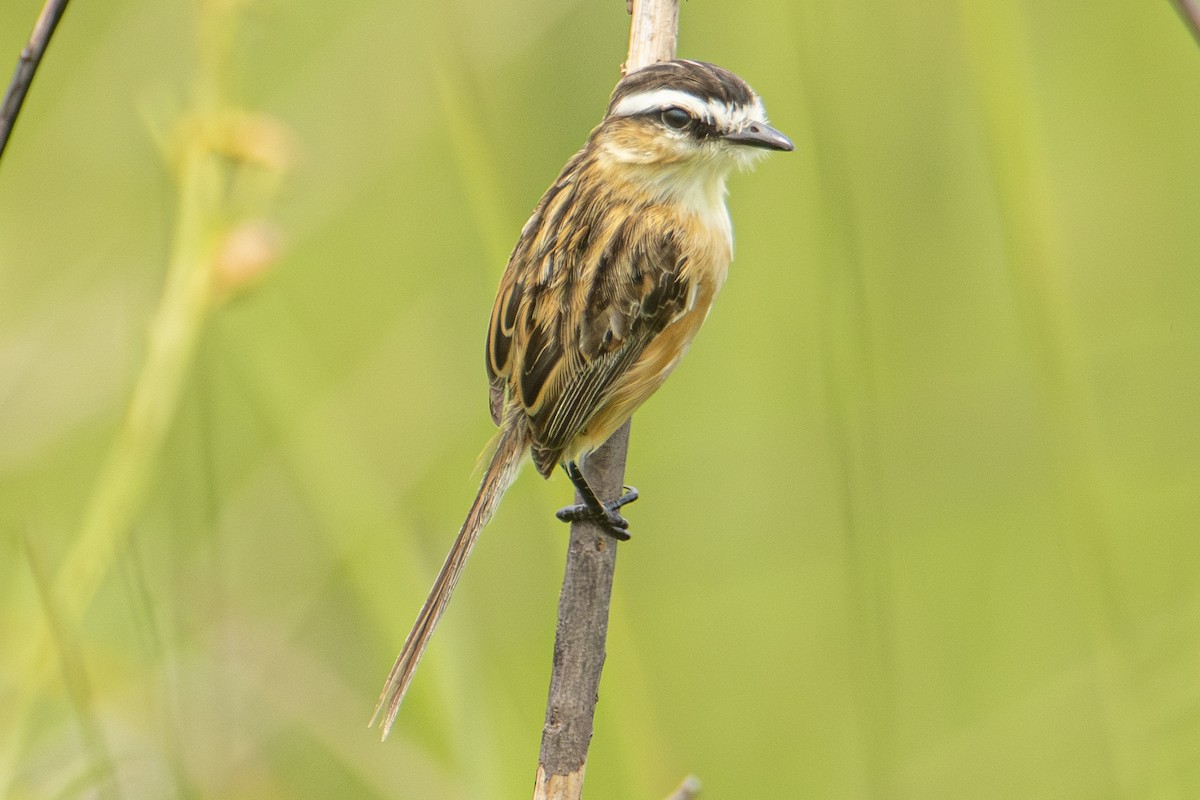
{"type": "Point", "coordinates": [501, 472]}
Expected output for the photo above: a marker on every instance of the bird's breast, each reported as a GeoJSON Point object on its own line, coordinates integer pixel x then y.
{"type": "Point", "coordinates": [709, 249]}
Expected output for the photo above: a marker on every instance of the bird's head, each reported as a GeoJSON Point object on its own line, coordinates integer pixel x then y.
{"type": "Point", "coordinates": [685, 119]}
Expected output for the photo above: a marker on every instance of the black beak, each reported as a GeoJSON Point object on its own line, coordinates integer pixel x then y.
{"type": "Point", "coordinates": [760, 134]}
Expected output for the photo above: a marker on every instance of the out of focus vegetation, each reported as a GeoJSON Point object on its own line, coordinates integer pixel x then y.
{"type": "Point", "coordinates": [921, 511]}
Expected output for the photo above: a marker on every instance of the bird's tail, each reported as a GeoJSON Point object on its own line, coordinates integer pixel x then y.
{"type": "Point", "coordinates": [501, 472]}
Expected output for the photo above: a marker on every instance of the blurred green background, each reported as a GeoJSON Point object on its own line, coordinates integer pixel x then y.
{"type": "Point", "coordinates": [920, 510]}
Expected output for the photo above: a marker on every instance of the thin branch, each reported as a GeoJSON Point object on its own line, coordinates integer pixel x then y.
{"type": "Point", "coordinates": [1190, 11]}
{"type": "Point", "coordinates": [653, 34]}
{"type": "Point", "coordinates": [592, 554]}
{"type": "Point", "coordinates": [580, 635]}
{"type": "Point", "coordinates": [27, 65]}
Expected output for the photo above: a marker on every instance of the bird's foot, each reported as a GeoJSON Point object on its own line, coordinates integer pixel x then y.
{"type": "Point", "coordinates": [606, 515]}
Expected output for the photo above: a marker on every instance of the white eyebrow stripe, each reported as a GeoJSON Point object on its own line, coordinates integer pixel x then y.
{"type": "Point", "coordinates": [721, 115]}
{"type": "Point", "coordinates": [658, 99]}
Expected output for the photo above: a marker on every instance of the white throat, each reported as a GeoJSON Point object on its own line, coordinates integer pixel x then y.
{"type": "Point", "coordinates": [701, 191]}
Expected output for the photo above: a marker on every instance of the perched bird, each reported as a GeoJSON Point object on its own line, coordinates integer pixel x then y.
{"type": "Point", "coordinates": [607, 286]}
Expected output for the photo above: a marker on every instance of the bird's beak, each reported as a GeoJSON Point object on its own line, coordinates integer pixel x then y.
{"type": "Point", "coordinates": [760, 134]}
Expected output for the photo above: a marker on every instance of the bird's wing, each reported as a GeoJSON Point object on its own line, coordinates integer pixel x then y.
{"type": "Point", "coordinates": [575, 312]}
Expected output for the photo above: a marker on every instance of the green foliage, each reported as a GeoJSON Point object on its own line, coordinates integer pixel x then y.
{"type": "Point", "coordinates": [920, 510]}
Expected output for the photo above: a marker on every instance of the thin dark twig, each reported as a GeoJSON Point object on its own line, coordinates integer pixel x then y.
{"type": "Point", "coordinates": [580, 635]}
{"type": "Point", "coordinates": [1190, 11]}
{"type": "Point", "coordinates": [27, 65]}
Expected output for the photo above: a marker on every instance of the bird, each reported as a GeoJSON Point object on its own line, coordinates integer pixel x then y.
{"type": "Point", "coordinates": [608, 284]}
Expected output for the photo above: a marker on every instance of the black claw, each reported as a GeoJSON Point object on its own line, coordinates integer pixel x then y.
{"type": "Point", "coordinates": [582, 511]}
{"type": "Point", "coordinates": [591, 508]}
{"type": "Point", "coordinates": [631, 494]}
{"type": "Point", "coordinates": [613, 523]}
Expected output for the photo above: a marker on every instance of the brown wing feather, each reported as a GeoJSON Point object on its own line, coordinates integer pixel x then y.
{"type": "Point", "coordinates": [632, 321]}
{"type": "Point", "coordinates": [576, 311]}
{"type": "Point", "coordinates": [499, 347]}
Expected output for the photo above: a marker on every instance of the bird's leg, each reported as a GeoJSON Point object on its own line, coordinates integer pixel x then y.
{"type": "Point", "coordinates": [591, 508]}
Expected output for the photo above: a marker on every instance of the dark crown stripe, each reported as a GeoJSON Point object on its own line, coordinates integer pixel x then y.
{"type": "Point", "coordinates": [704, 81]}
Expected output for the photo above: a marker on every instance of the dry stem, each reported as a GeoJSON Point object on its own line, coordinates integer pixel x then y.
{"type": "Point", "coordinates": [591, 557]}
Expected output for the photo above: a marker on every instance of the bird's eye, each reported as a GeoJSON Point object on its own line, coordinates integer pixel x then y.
{"type": "Point", "coordinates": [676, 118]}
